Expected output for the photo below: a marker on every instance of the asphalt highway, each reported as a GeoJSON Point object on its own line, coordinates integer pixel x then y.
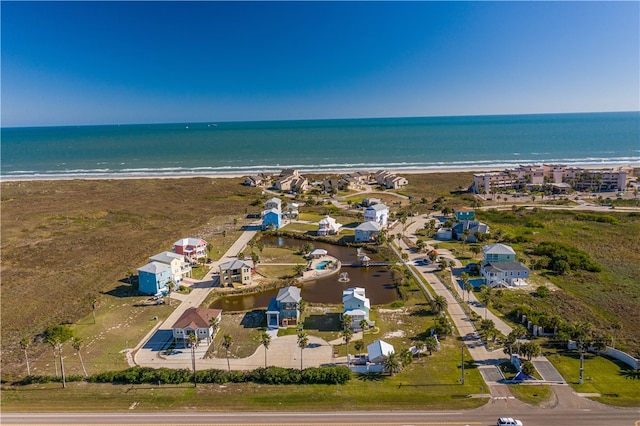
{"type": "Point", "coordinates": [481, 417]}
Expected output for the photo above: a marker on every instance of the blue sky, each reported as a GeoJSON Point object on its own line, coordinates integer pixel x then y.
{"type": "Point", "coordinates": [153, 62]}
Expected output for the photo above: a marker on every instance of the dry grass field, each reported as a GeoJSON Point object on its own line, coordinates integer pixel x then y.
{"type": "Point", "coordinates": [65, 243]}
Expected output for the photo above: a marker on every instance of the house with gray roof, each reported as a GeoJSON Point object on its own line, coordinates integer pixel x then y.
{"type": "Point", "coordinates": [504, 274]}
{"type": "Point", "coordinates": [498, 253]}
{"type": "Point", "coordinates": [366, 232]}
{"type": "Point", "coordinates": [284, 309]}
{"type": "Point", "coordinates": [235, 272]}
{"type": "Point", "coordinates": [377, 213]}
{"type": "Point", "coordinates": [474, 228]}
{"type": "Point", "coordinates": [180, 268]}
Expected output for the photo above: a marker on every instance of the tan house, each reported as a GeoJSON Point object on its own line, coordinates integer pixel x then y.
{"type": "Point", "coordinates": [291, 180]}
{"type": "Point", "coordinates": [235, 272]}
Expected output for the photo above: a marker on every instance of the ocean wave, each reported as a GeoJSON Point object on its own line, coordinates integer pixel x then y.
{"type": "Point", "coordinates": [177, 171]}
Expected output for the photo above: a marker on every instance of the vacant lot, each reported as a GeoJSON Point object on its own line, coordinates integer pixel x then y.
{"type": "Point", "coordinates": [65, 243]}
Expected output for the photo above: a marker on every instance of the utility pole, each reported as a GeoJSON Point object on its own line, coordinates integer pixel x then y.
{"type": "Point", "coordinates": [581, 367]}
{"type": "Point", "coordinates": [462, 363]}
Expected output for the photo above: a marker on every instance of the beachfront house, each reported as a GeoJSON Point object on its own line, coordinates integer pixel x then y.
{"type": "Point", "coordinates": [328, 226]}
{"type": "Point", "coordinates": [273, 203]}
{"type": "Point", "coordinates": [389, 180]}
{"type": "Point", "coordinates": [271, 219]}
{"type": "Point", "coordinates": [153, 278]}
{"type": "Point", "coordinates": [235, 272]}
{"type": "Point", "coordinates": [504, 274]}
{"type": "Point", "coordinates": [179, 267]}
{"type": "Point", "coordinates": [498, 253]}
{"type": "Point", "coordinates": [378, 213]}
{"type": "Point", "coordinates": [284, 309]}
{"type": "Point", "coordinates": [192, 249]}
{"type": "Point", "coordinates": [378, 350]}
{"type": "Point", "coordinates": [291, 180]}
{"type": "Point", "coordinates": [366, 232]}
{"type": "Point", "coordinates": [356, 305]}
{"type": "Point", "coordinates": [196, 321]}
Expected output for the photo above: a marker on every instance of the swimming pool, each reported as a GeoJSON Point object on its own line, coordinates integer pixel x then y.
{"type": "Point", "coordinates": [322, 265]}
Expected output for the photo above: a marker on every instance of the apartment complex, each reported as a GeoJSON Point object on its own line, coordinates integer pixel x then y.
{"type": "Point", "coordinates": [560, 176]}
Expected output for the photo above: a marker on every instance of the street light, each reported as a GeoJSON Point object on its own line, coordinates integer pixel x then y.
{"type": "Point", "coordinates": [462, 363]}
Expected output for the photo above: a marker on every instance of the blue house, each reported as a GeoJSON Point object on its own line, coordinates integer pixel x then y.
{"type": "Point", "coordinates": [153, 278]}
{"type": "Point", "coordinates": [284, 309]}
{"type": "Point", "coordinates": [271, 219]}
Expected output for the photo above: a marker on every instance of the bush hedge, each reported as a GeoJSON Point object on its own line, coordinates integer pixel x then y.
{"type": "Point", "coordinates": [270, 375]}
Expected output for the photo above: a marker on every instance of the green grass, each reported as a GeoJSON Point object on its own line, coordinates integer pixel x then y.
{"type": "Point", "coordinates": [532, 394]}
{"type": "Point", "coordinates": [613, 380]}
{"type": "Point", "coordinates": [406, 391]}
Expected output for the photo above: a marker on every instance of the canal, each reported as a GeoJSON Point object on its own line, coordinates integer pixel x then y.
{"type": "Point", "coordinates": [376, 280]}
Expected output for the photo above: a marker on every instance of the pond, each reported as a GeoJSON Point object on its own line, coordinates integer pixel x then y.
{"type": "Point", "coordinates": [376, 280]}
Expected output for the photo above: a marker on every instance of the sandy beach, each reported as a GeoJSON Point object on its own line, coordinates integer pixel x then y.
{"type": "Point", "coordinates": [399, 172]}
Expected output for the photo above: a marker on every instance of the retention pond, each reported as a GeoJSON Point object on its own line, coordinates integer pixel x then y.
{"type": "Point", "coordinates": [376, 280]}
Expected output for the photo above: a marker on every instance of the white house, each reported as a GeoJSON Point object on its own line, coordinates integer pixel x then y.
{"type": "Point", "coordinates": [504, 274]}
{"type": "Point", "coordinates": [378, 213]}
{"type": "Point", "coordinates": [328, 226]}
{"type": "Point", "coordinates": [378, 350]}
{"type": "Point", "coordinates": [366, 231]}
{"type": "Point", "coordinates": [273, 203]}
{"type": "Point", "coordinates": [356, 305]}
{"type": "Point", "coordinates": [179, 267]}
{"type": "Point", "coordinates": [196, 321]}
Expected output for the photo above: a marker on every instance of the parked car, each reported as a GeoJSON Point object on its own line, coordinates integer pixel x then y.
{"type": "Point", "coordinates": [508, 421]}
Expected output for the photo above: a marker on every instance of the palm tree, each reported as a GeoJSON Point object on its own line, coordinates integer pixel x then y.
{"type": "Point", "coordinates": [485, 298]}
{"type": "Point", "coordinates": [193, 340]}
{"type": "Point", "coordinates": [56, 335]}
{"type": "Point", "coordinates": [25, 342]}
{"type": "Point", "coordinates": [406, 357]}
{"type": "Point", "coordinates": [469, 287]}
{"type": "Point", "coordinates": [419, 347]}
{"type": "Point", "coordinates": [364, 324]}
{"type": "Point", "coordinates": [431, 344]}
{"type": "Point", "coordinates": [439, 304]}
{"type": "Point", "coordinates": [93, 305]}
{"type": "Point", "coordinates": [346, 335]}
{"type": "Point", "coordinates": [299, 269]}
{"type": "Point", "coordinates": [170, 287]}
{"type": "Point", "coordinates": [76, 342]}
{"type": "Point", "coordinates": [346, 321]}
{"type": "Point", "coordinates": [359, 345]}
{"type": "Point", "coordinates": [265, 340]}
{"type": "Point", "coordinates": [391, 363]}
{"type": "Point", "coordinates": [226, 344]}
{"type": "Point", "coordinates": [303, 341]}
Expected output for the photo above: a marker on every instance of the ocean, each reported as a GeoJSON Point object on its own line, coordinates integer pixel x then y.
{"type": "Point", "coordinates": [320, 146]}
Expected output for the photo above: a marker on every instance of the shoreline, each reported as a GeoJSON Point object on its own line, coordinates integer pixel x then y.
{"type": "Point", "coordinates": [125, 176]}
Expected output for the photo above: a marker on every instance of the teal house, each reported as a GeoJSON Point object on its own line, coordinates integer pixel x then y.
{"type": "Point", "coordinates": [463, 213]}
{"type": "Point", "coordinates": [153, 278]}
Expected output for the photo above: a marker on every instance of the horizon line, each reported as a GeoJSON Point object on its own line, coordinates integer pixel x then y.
{"type": "Point", "coordinates": [318, 119]}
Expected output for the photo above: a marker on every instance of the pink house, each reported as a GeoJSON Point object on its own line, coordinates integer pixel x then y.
{"type": "Point", "coordinates": [191, 248]}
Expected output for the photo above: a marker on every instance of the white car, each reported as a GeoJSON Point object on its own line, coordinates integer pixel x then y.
{"type": "Point", "coordinates": [508, 421]}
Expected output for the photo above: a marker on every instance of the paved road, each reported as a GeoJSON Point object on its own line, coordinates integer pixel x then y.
{"type": "Point", "coordinates": [486, 415]}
